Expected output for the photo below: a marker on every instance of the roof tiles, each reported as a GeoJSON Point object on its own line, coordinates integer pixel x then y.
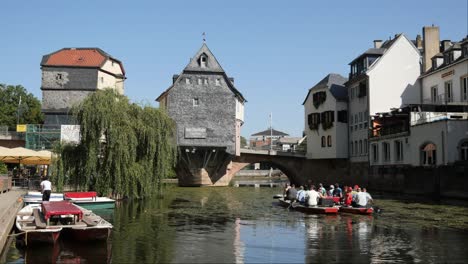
{"type": "Point", "coordinates": [76, 57]}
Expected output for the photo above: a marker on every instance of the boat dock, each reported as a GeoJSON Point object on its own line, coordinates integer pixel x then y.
{"type": "Point", "coordinates": [10, 203]}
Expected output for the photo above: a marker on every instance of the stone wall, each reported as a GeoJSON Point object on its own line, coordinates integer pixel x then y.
{"type": "Point", "coordinates": [212, 122]}
{"type": "Point", "coordinates": [69, 78]}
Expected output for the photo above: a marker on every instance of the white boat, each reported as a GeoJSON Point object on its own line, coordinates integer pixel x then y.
{"type": "Point", "coordinates": [46, 222]}
{"type": "Point", "coordinates": [89, 200]}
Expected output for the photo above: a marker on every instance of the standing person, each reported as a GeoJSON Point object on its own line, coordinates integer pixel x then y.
{"type": "Point", "coordinates": [368, 196]}
{"type": "Point", "coordinates": [312, 196]}
{"type": "Point", "coordinates": [46, 189]}
{"type": "Point", "coordinates": [286, 189]}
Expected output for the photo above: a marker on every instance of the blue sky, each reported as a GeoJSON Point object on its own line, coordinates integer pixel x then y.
{"type": "Point", "coordinates": [275, 50]}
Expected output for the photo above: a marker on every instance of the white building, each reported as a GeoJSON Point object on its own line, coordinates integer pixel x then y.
{"type": "Point", "coordinates": [381, 78]}
{"type": "Point", "coordinates": [326, 117]}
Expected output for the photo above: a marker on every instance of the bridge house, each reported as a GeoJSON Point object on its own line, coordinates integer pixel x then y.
{"type": "Point", "coordinates": [209, 113]}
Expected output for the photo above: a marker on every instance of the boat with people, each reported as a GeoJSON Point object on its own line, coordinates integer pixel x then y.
{"type": "Point", "coordinates": [356, 210]}
{"type": "Point", "coordinates": [47, 221]}
{"type": "Point", "coordinates": [309, 209]}
{"type": "Point", "coordinates": [88, 200]}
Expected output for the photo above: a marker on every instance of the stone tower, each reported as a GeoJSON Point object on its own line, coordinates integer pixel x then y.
{"type": "Point", "coordinates": [208, 111]}
{"type": "Point", "coordinates": [70, 74]}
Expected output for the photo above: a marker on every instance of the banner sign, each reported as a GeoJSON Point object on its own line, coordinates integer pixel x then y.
{"type": "Point", "coordinates": [70, 134]}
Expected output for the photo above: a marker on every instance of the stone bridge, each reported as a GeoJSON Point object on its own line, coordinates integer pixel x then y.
{"type": "Point", "coordinates": [294, 165]}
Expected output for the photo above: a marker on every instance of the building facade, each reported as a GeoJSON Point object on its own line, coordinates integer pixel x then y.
{"type": "Point", "coordinates": [266, 139]}
{"type": "Point", "coordinates": [381, 78]}
{"type": "Point", "coordinates": [326, 119]}
{"type": "Point", "coordinates": [208, 111]}
{"type": "Point", "coordinates": [71, 74]}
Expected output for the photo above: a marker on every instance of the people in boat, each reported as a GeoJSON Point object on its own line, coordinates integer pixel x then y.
{"type": "Point", "coordinates": [322, 190]}
{"type": "Point", "coordinates": [368, 196]}
{"type": "Point", "coordinates": [312, 196]}
{"type": "Point", "coordinates": [331, 190]}
{"type": "Point", "coordinates": [354, 193]}
{"type": "Point", "coordinates": [338, 192]}
{"type": "Point", "coordinates": [361, 200]}
{"type": "Point", "coordinates": [348, 198]}
{"type": "Point", "coordinates": [291, 194]}
{"type": "Point", "coordinates": [46, 189]}
{"type": "Point", "coordinates": [301, 195]}
{"type": "Point", "coordinates": [286, 188]}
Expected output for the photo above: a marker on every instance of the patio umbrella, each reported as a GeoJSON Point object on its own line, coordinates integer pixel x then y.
{"type": "Point", "coordinates": [25, 156]}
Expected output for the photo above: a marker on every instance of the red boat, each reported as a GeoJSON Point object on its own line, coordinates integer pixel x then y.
{"type": "Point", "coordinates": [307, 209]}
{"type": "Point", "coordinates": [356, 210]}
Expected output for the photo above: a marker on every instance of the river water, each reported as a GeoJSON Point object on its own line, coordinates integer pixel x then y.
{"type": "Point", "coordinates": [245, 225]}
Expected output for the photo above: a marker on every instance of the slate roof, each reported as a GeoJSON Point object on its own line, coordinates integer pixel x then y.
{"type": "Point", "coordinates": [78, 57]}
{"type": "Point", "coordinates": [333, 82]}
{"type": "Point", "coordinates": [269, 133]}
{"type": "Point", "coordinates": [213, 66]}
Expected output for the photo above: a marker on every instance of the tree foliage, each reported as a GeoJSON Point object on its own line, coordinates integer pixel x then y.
{"type": "Point", "coordinates": [3, 168]}
{"type": "Point", "coordinates": [29, 110]}
{"type": "Point", "coordinates": [125, 149]}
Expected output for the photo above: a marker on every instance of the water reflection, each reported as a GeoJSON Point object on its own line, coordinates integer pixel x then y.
{"type": "Point", "coordinates": [243, 225]}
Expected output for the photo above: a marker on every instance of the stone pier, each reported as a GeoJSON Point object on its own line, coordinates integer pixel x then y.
{"type": "Point", "coordinates": [10, 204]}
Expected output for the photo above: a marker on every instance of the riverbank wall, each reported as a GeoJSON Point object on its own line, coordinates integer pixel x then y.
{"type": "Point", "coordinates": [10, 204]}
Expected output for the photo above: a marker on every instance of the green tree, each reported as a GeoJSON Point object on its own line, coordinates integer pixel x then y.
{"type": "Point", "coordinates": [243, 142]}
{"type": "Point", "coordinates": [29, 109]}
{"type": "Point", "coordinates": [3, 168]}
{"type": "Point", "coordinates": [125, 149]}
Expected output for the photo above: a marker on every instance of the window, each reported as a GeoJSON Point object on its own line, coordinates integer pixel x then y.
{"type": "Point", "coordinates": [351, 149]}
{"type": "Point", "coordinates": [362, 89]}
{"type": "Point", "coordinates": [205, 81]}
{"type": "Point", "coordinates": [428, 154]}
{"type": "Point", "coordinates": [327, 118]}
{"type": "Point", "coordinates": [313, 120]}
{"type": "Point", "coordinates": [366, 148]}
{"type": "Point", "coordinates": [59, 76]}
{"type": "Point", "coordinates": [329, 141]}
{"type": "Point", "coordinates": [323, 142]}
{"type": "Point", "coordinates": [356, 118]}
{"type": "Point", "coordinates": [187, 80]}
{"type": "Point", "coordinates": [218, 82]}
{"type": "Point", "coordinates": [112, 63]}
{"type": "Point", "coordinates": [352, 93]}
{"type": "Point", "coordinates": [343, 116]}
{"type": "Point", "coordinates": [386, 151]}
{"type": "Point", "coordinates": [360, 147]}
{"type": "Point", "coordinates": [464, 151]}
{"type": "Point", "coordinates": [360, 117]}
{"type": "Point", "coordinates": [464, 88]}
{"type": "Point", "coordinates": [398, 150]}
{"type": "Point", "coordinates": [448, 91]}
{"type": "Point", "coordinates": [196, 102]}
{"type": "Point", "coordinates": [351, 128]}
{"type": "Point", "coordinates": [355, 147]}
{"type": "Point", "coordinates": [319, 98]}
{"type": "Point", "coordinates": [434, 94]}
{"type": "Point", "coordinates": [375, 152]}
{"type": "Point", "coordinates": [203, 61]}
{"type": "Point", "coordinates": [102, 79]}
{"type": "Point", "coordinates": [199, 81]}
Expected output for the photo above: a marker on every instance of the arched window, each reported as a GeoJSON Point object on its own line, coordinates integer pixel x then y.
{"type": "Point", "coordinates": [464, 150]}
{"type": "Point", "coordinates": [203, 61]}
{"type": "Point", "coordinates": [428, 154]}
{"type": "Point", "coordinates": [329, 141]}
{"type": "Point", "coordinates": [351, 149]}
{"type": "Point", "coordinates": [360, 147]}
{"type": "Point", "coordinates": [323, 142]}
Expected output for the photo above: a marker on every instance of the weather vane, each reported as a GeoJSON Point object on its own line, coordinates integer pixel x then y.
{"type": "Point", "coordinates": [204, 37]}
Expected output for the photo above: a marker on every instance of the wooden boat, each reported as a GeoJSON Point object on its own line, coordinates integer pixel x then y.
{"type": "Point", "coordinates": [356, 210]}
{"type": "Point", "coordinates": [307, 209]}
{"type": "Point", "coordinates": [46, 222]}
{"type": "Point", "coordinates": [88, 200]}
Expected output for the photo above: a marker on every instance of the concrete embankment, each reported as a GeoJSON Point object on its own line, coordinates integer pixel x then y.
{"type": "Point", "coordinates": [10, 204]}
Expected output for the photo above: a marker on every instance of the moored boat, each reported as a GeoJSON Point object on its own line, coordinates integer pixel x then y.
{"type": "Point", "coordinates": [355, 210]}
{"type": "Point", "coordinates": [88, 200]}
{"type": "Point", "coordinates": [46, 222]}
{"type": "Point", "coordinates": [307, 209]}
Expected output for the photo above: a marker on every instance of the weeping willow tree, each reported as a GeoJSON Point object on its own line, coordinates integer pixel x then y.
{"type": "Point", "coordinates": [125, 149]}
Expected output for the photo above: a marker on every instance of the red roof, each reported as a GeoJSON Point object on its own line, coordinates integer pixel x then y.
{"type": "Point", "coordinates": [76, 57]}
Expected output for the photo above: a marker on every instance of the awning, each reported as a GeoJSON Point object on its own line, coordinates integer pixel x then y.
{"type": "Point", "coordinates": [25, 156]}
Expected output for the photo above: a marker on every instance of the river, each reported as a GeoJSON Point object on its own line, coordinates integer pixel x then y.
{"type": "Point", "coordinates": [245, 225]}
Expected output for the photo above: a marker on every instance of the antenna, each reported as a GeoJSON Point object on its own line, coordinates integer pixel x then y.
{"type": "Point", "coordinates": [204, 37]}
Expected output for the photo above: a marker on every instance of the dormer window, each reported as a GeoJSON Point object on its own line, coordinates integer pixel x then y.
{"type": "Point", "coordinates": [203, 60]}
{"type": "Point", "coordinates": [465, 50]}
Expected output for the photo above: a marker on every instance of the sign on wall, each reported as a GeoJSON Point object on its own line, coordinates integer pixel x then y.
{"type": "Point", "coordinates": [21, 128]}
{"type": "Point", "coordinates": [70, 134]}
{"type": "Point", "coordinates": [195, 132]}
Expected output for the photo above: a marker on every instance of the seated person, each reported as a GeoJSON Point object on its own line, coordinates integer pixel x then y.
{"type": "Point", "coordinates": [301, 195]}
{"type": "Point", "coordinates": [312, 197]}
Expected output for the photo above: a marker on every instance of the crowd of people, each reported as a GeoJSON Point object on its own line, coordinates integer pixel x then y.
{"type": "Point", "coordinates": [312, 196]}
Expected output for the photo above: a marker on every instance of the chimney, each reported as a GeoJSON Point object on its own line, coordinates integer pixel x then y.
{"type": "Point", "coordinates": [377, 43]}
{"type": "Point", "coordinates": [431, 45]}
{"type": "Point", "coordinates": [445, 44]}
{"type": "Point", "coordinates": [419, 44]}
{"type": "Point", "coordinates": [174, 78]}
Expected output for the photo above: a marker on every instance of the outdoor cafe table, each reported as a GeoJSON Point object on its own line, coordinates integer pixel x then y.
{"type": "Point", "coordinates": [58, 208]}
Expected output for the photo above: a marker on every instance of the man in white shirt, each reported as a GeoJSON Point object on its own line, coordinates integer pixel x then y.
{"type": "Point", "coordinates": [361, 198]}
{"type": "Point", "coordinates": [312, 197]}
{"type": "Point", "coordinates": [46, 189]}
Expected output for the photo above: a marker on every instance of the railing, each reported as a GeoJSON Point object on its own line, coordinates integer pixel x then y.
{"type": "Point", "coordinates": [389, 130]}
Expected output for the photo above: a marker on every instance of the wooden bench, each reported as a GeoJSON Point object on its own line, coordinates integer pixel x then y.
{"type": "Point", "coordinates": [39, 219]}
